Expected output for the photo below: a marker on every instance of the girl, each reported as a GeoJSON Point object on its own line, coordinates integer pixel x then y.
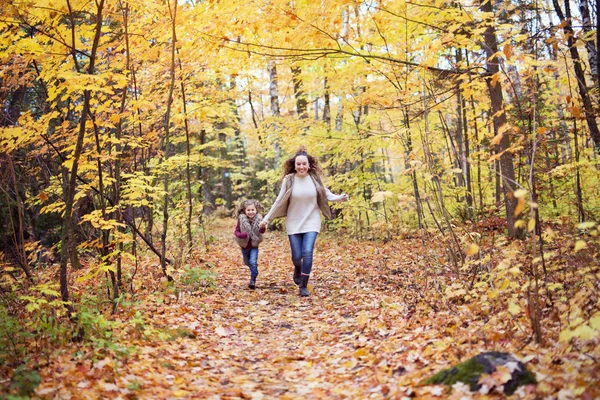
{"type": "Point", "coordinates": [249, 234]}
{"type": "Point", "coordinates": [302, 198]}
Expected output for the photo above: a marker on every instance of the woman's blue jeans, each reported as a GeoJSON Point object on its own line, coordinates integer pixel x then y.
{"type": "Point", "coordinates": [302, 246]}
{"type": "Point", "coordinates": [251, 260]}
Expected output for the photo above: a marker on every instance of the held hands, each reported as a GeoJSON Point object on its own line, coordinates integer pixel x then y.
{"type": "Point", "coordinates": [345, 197]}
{"type": "Point", "coordinates": [263, 224]}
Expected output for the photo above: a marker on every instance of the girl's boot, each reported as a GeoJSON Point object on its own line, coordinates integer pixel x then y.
{"type": "Point", "coordinates": [297, 275]}
{"type": "Point", "coordinates": [303, 285]}
{"type": "Point", "coordinates": [252, 284]}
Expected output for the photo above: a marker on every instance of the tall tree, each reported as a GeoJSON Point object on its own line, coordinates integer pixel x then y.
{"type": "Point", "coordinates": [72, 177]}
{"type": "Point", "coordinates": [590, 115]}
{"type": "Point", "coordinates": [502, 135]}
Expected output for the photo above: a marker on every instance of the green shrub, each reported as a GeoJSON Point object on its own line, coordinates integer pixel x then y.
{"type": "Point", "coordinates": [197, 279]}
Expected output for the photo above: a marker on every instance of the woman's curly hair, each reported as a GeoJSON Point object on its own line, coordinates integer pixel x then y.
{"type": "Point", "coordinates": [313, 165]}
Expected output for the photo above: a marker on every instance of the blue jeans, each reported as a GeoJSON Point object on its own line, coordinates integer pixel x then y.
{"type": "Point", "coordinates": [302, 246]}
{"type": "Point", "coordinates": [251, 260]}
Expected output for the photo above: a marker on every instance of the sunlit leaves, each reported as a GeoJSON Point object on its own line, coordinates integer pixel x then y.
{"type": "Point", "coordinates": [472, 249]}
{"type": "Point", "coordinates": [379, 197]}
{"type": "Point", "coordinates": [582, 330]}
{"type": "Point", "coordinates": [97, 221]}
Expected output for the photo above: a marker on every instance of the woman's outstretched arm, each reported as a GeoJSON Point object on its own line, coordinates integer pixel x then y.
{"type": "Point", "coordinates": [280, 196]}
{"type": "Point", "coordinates": [336, 197]}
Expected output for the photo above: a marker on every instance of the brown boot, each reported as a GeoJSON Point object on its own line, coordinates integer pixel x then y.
{"type": "Point", "coordinates": [303, 285]}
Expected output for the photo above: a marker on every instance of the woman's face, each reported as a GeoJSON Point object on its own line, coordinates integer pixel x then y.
{"type": "Point", "coordinates": [250, 211]}
{"type": "Point", "coordinates": [302, 166]}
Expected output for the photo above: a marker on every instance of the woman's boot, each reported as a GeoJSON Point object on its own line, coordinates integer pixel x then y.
{"type": "Point", "coordinates": [297, 275]}
{"type": "Point", "coordinates": [303, 285]}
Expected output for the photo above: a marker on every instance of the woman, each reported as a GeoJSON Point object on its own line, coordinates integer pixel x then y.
{"type": "Point", "coordinates": [301, 199]}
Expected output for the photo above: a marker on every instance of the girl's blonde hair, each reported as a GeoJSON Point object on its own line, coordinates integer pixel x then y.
{"type": "Point", "coordinates": [250, 202]}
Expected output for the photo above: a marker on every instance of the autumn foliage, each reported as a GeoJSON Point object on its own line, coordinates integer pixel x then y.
{"type": "Point", "coordinates": [465, 134]}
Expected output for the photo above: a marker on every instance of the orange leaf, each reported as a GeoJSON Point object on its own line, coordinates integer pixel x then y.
{"type": "Point", "coordinates": [507, 51]}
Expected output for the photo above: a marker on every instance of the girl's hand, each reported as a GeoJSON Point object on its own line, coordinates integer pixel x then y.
{"type": "Point", "coordinates": [345, 197]}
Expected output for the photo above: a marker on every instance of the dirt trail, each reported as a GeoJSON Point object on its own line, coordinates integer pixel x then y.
{"type": "Point", "coordinates": [349, 339]}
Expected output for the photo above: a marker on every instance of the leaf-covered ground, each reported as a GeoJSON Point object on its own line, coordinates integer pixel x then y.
{"type": "Point", "coordinates": [376, 324]}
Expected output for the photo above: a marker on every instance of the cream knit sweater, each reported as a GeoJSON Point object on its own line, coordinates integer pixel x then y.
{"type": "Point", "coordinates": [303, 214]}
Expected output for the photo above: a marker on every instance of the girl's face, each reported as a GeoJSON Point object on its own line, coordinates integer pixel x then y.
{"type": "Point", "coordinates": [250, 211]}
{"type": "Point", "coordinates": [302, 166]}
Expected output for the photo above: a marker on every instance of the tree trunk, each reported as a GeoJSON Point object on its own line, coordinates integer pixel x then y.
{"type": "Point", "coordinates": [69, 195]}
{"type": "Point", "coordinates": [167, 143]}
{"type": "Point", "coordinates": [326, 106]}
{"type": "Point", "coordinates": [188, 173]}
{"type": "Point", "coordinates": [465, 155]}
{"type": "Point", "coordinates": [273, 88]}
{"type": "Point", "coordinates": [588, 27]}
{"type": "Point", "coordinates": [18, 229]}
{"type": "Point", "coordinates": [119, 134]}
{"type": "Point", "coordinates": [477, 143]}
{"type": "Point", "coordinates": [104, 233]}
{"type": "Point", "coordinates": [275, 111]}
{"type": "Point", "coordinates": [301, 104]}
{"type": "Point", "coordinates": [590, 118]}
{"type": "Point", "coordinates": [499, 123]}
{"type": "Point", "coordinates": [413, 175]}
{"type": "Point", "coordinates": [578, 192]}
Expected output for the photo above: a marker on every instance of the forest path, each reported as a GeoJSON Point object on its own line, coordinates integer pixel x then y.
{"type": "Point", "coordinates": [347, 339]}
{"type": "Point", "coordinates": [356, 336]}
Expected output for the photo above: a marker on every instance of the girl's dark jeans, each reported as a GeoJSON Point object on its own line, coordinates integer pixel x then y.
{"type": "Point", "coordinates": [251, 260]}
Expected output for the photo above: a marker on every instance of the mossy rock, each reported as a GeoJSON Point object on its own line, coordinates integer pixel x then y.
{"type": "Point", "coordinates": [469, 372]}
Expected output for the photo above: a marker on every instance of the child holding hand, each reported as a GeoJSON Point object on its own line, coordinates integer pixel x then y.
{"type": "Point", "coordinates": [249, 234]}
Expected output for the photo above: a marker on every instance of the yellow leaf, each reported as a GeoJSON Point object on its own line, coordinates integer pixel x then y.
{"type": "Point", "coordinates": [520, 206]}
{"type": "Point", "coordinates": [580, 245]}
{"type": "Point", "coordinates": [472, 249]}
{"type": "Point", "coordinates": [180, 393]}
{"type": "Point", "coordinates": [514, 271]}
{"type": "Point", "coordinates": [362, 319]}
{"type": "Point", "coordinates": [541, 130]}
{"type": "Point", "coordinates": [531, 225]}
{"type": "Point", "coordinates": [68, 164]}
{"type": "Point", "coordinates": [584, 332]}
{"type": "Point", "coordinates": [586, 225]}
{"type": "Point", "coordinates": [565, 335]}
{"type": "Point", "coordinates": [362, 352]}
{"type": "Point", "coordinates": [514, 308]}
{"type": "Point", "coordinates": [379, 197]}
{"type": "Point", "coordinates": [549, 234]}
{"type": "Point", "coordinates": [595, 322]}
{"type": "Point", "coordinates": [520, 224]}
{"type": "Point", "coordinates": [519, 193]}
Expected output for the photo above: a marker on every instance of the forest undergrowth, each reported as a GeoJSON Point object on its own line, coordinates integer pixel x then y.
{"type": "Point", "coordinates": [381, 317]}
